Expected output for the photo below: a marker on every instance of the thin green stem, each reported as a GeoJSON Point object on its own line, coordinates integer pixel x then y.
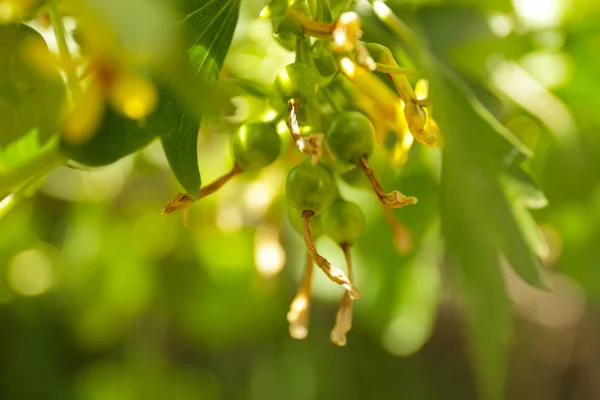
{"type": "Point", "coordinates": [398, 70]}
{"type": "Point", "coordinates": [387, 16]}
{"type": "Point", "coordinates": [331, 101]}
{"type": "Point", "coordinates": [63, 48]}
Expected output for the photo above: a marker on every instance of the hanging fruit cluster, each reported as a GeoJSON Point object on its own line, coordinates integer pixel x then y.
{"type": "Point", "coordinates": [334, 79]}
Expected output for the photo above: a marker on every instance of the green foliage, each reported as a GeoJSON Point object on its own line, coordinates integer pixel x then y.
{"type": "Point", "coordinates": [118, 136]}
{"type": "Point", "coordinates": [209, 27]}
{"type": "Point", "coordinates": [31, 97]}
{"type": "Point", "coordinates": [114, 279]}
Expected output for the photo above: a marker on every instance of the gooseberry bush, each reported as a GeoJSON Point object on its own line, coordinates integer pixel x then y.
{"type": "Point", "coordinates": [363, 95]}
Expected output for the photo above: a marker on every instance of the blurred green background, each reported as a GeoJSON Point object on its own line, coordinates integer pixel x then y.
{"type": "Point", "coordinates": [101, 297]}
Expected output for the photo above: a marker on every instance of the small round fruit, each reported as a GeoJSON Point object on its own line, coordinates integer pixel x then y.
{"type": "Point", "coordinates": [343, 221]}
{"type": "Point", "coordinates": [350, 137]}
{"type": "Point", "coordinates": [310, 187]}
{"type": "Point", "coordinates": [255, 146]}
{"type": "Point", "coordinates": [357, 178]}
{"type": "Point", "coordinates": [296, 81]}
{"type": "Point", "coordinates": [297, 223]}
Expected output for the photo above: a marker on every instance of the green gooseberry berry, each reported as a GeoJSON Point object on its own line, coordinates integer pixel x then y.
{"type": "Point", "coordinates": [310, 187]}
{"type": "Point", "coordinates": [344, 221]}
{"type": "Point", "coordinates": [255, 145]}
{"type": "Point", "coordinates": [350, 137]}
{"type": "Point", "coordinates": [297, 223]}
{"type": "Point", "coordinates": [356, 177]}
{"type": "Point", "coordinates": [296, 81]}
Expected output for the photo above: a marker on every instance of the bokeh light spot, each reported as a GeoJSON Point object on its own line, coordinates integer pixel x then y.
{"type": "Point", "coordinates": [269, 255]}
{"type": "Point", "coordinates": [29, 273]}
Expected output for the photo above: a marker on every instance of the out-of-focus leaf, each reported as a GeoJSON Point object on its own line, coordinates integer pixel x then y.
{"type": "Point", "coordinates": [31, 96]}
{"type": "Point", "coordinates": [484, 5]}
{"type": "Point", "coordinates": [418, 290]}
{"type": "Point", "coordinates": [323, 12]}
{"type": "Point", "coordinates": [25, 160]}
{"type": "Point", "coordinates": [487, 146]}
{"type": "Point", "coordinates": [514, 235]}
{"type": "Point", "coordinates": [209, 26]}
{"type": "Point", "coordinates": [520, 180]}
{"type": "Point", "coordinates": [337, 7]}
{"type": "Point", "coordinates": [152, 37]}
{"type": "Point", "coordinates": [478, 220]}
{"type": "Point", "coordinates": [19, 151]}
{"type": "Point", "coordinates": [481, 128]}
{"type": "Point", "coordinates": [118, 136]}
{"type": "Point", "coordinates": [461, 36]}
{"type": "Point", "coordinates": [531, 231]}
{"type": "Point", "coordinates": [471, 246]}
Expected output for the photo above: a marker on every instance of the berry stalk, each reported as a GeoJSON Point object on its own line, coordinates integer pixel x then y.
{"type": "Point", "coordinates": [300, 306]}
{"type": "Point", "coordinates": [343, 319]}
{"type": "Point", "coordinates": [182, 200]}
{"type": "Point", "coordinates": [217, 184]}
{"type": "Point", "coordinates": [394, 199]}
{"type": "Point", "coordinates": [334, 274]}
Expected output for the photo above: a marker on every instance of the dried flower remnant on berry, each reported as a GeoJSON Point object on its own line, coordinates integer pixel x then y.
{"type": "Point", "coordinates": [311, 145]}
{"type": "Point", "coordinates": [346, 38]}
{"type": "Point", "coordinates": [300, 307]}
{"type": "Point", "coordinates": [344, 222]}
{"type": "Point", "coordinates": [394, 199]}
{"type": "Point", "coordinates": [343, 318]}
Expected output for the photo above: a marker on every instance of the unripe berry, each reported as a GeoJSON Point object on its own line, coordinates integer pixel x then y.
{"type": "Point", "coordinates": [343, 221]}
{"type": "Point", "coordinates": [255, 146]}
{"type": "Point", "coordinates": [310, 187]}
{"type": "Point", "coordinates": [350, 137]}
{"type": "Point", "coordinates": [356, 177]}
{"type": "Point", "coordinates": [296, 81]}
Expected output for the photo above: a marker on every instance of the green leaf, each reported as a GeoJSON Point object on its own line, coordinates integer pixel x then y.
{"type": "Point", "coordinates": [515, 236]}
{"type": "Point", "coordinates": [337, 7]}
{"type": "Point", "coordinates": [26, 160]}
{"type": "Point", "coordinates": [30, 97]}
{"type": "Point", "coordinates": [471, 244]}
{"type": "Point", "coordinates": [483, 5]}
{"type": "Point", "coordinates": [484, 130]}
{"type": "Point", "coordinates": [416, 299]}
{"type": "Point", "coordinates": [520, 181]}
{"type": "Point", "coordinates": [209, 26]}
{"type": "Point", "coordinates": [479, 219]}
{"type": "Point", "coordinates": [152, 35]}
{"type": "Point", "coordinates": [323, 12]}
{"type": "Point", "coordinates": [116, 137]}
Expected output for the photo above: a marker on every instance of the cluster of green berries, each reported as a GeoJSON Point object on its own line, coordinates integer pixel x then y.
{"type": "Point", "coordinates": [316, 206]}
